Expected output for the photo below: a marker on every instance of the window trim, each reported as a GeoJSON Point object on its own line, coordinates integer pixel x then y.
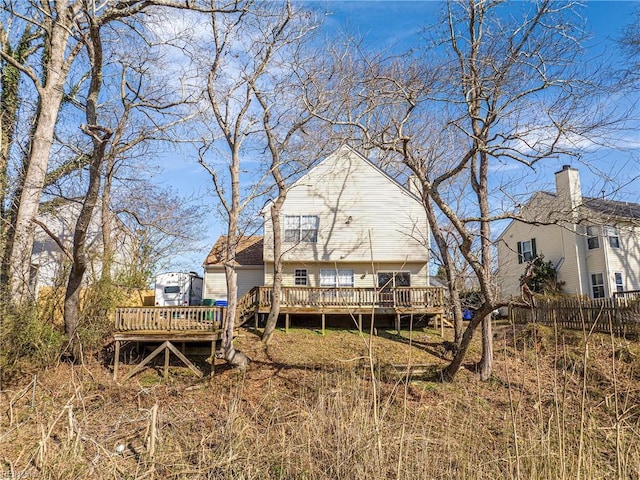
{"type": "Point", "coordinates": [619, 284]}
{"type": "Point", "coordinates": [336, 275]}
{"type": "Point", "coordinates": [613, 235]}
{"type": "Point", "coordinates": [522, 253]}
{"type": "Point", "coordinates": [299, 276]}
{"type": "Point", "coordinates": [301, 233]}
{"type": "Point", "coordinates": [593, 238]}
{"type": "Point", "coordinates": [394, 274]}
{"type": "Point", "coordinates": [599, 286]}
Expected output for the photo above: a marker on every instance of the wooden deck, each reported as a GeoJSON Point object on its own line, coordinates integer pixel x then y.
{"type": "Point", "coordinates": [345, 301]}
{"type": "Point", "coordinates": [166, 325]}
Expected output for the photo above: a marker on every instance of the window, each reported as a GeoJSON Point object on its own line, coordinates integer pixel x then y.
{"type": "Point", "coordinates": [300, 277]}
{"type": "Point", "coordinates": [526, 250]}
{"type": "Point", "coordinates": [301, 228]}
{"type": "Point", "coordinates": [336, 278]}
{"type": "Point", "coordinates": [172, 289]}
{"type": "Point", "coordinates": [619, 282]}
{"type": "Point", "coordinates": [592, 238]}
{"type": "Point", "coordinates": [394, 279]}
{"type": "Point", "coordinates": [597, 285]}
{"type": "Point", "coordinates": [614, 239]}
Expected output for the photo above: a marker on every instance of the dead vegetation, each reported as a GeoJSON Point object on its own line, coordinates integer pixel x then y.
{"type": "Point", "coordinates": [318, 407]}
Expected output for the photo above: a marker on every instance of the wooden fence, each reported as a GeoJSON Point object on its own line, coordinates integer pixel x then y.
{"type": "Point", "coordinates": [619, 316]}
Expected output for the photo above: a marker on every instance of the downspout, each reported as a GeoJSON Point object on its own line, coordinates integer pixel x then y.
{"type": "Point", "coordinates": [606, 274]}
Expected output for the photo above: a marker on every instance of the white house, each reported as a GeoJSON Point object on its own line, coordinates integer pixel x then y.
{"type": "Point", "coordinates": [346, 223]}
{"type": "Point", "coordinates": [593, 243]}
{"type": "Point", "coordinates": [49, 265]}
{"type": "Point", "coordinates": [248, 264]}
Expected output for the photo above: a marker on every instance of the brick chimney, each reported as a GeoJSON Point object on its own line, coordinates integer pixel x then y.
{"type": "Point", "coordinates": [568, 187]}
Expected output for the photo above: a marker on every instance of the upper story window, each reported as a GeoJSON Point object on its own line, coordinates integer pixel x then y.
{"type": "Point", "coordinates": [593, 241]}
{"type": "Point", "coordinates": [301, 228]}
{"type": "Point", "coordinates": [526, 250]}
{"type": "Point", "coordinates": [614, 238]}
{"type": "Point", "coordinates": [300, 277]}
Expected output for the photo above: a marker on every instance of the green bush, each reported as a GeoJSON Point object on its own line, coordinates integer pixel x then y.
{"type": "Point", "coordinates": [24, 335]}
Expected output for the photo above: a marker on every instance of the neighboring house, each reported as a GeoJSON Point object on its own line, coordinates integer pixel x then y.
{"type": "Point", "coordinates": [593, 243]}
{"type": "Point", "coordinates": [249, 267]}
{"type": "Point", "coordinates": [345, 225]}
{"type": "Point", "coordinates": [49, 265]}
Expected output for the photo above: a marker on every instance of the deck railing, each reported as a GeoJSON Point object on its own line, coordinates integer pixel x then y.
{"type": "Point", "coordinates": [168, 319]}
{"type": "Point", "coordinates": [318, 297]}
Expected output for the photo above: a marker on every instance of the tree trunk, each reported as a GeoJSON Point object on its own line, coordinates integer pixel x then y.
{"type": "Point", "coordinates": [50, 98]}
{"type": "Point", "coordinates": [107, 242]}
{"type": "Point", "coordinates": [9, 101]}
{"type": "Point", "coordinates": [274, 310]}
{"type": "Point", "coordinates": [100, 136]}
{"type": "Point", "coordinates": [486, 362]}
{"type": "Point", "coordinates": [449, 268]}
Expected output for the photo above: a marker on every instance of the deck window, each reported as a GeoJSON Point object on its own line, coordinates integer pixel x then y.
{"type": "Point", "coordinates": [614, 238]}
{"type": "Point", "coordinates": [301, 228]}
{"type": "Point", "coordinates": [336, 278]}
{"type": "Point", "coordinates": [526, 250]}
{"type": "Point", "coordinates": [300, 277]}
{"type": "Point", "coordinates": [597, 285]}
{"type": "Point", "coordinates": [592, 238]}
{"type": "Point", "coordinates": [619, 282]}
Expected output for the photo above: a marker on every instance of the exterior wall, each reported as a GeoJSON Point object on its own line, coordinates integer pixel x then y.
{"type": "Point", "coordinates": [562, 243]}
{"type": "Point", "coordinates": [625, 259]}
{"type": "Point", "coordinates": [52, 266]}
{"type": "Point", "coordinates": [215, 282]}
{"type": "Point", "coordinates": [364, 276]}
{"type": "Point", "coordinates": [362, 214]}
{"type": "Point", "coordinates": [565, 243]}
{"type": "Point", "coordinates": [249, 278]}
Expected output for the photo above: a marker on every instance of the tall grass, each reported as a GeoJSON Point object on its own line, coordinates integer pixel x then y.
{"type": "Point", "coordinates": [559, 406]}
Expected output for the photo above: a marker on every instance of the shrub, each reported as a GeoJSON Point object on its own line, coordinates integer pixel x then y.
{"type": "Point", "coordinates": [25, 335]}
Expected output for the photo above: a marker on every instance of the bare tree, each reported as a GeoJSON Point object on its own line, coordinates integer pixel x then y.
{"type": "Point", "coordinates": [239, 58]}
{"type": "Point", "coordinates": [61, 26]}
{"type": "Point", "coordinates": [100, 136]}
{"type": "Point", "coordinates": [284, 118]}
{"type": "Point", "coordinates": [491, 89]}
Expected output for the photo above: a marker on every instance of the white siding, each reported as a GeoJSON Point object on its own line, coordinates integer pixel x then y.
{"type": "Point", "coordinates": [249, 278]}
{"type": "Point", "coordinates": [364, 274]}
{"type": "Point", "coordinates": [215, 282]}
{"type": "Point", "coordinates": [362, 214]}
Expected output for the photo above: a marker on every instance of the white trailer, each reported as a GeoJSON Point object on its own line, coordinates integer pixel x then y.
{"type": "Point", "coordinates": [177, 289]}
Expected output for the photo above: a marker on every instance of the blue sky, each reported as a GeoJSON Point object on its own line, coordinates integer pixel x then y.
{"type": "Point", "coordinates": [398, 25]}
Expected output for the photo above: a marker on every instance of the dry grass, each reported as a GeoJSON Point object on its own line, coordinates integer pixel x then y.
{"type": "Point", "coordinates": [559, 406]}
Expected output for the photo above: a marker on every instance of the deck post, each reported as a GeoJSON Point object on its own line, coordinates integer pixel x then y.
{"type": "Point", "coordinates": [323, 323]}
{"type": "Point", "coordinates": [255, 319]}
{"type": "Point", "coordinates": [286, 323]}
{"type": "Point", "coordinates": [116, 362]}
{"type": "Point", "coordinates": [213, 358]}
{"type": "Point", "coordinates": [398, 323]}
{"type": "Point", "coordinates": [360, 322]}
{"type": "Point", "coordinates": [441, 325]}
{"type": "Point", "coordinates": [166, 362]}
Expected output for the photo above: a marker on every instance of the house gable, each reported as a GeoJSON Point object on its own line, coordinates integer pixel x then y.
{"type": "Point", "coordinates": [362, 215]}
